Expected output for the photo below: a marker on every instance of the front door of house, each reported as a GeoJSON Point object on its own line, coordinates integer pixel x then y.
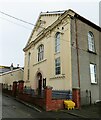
{"type": "Point", "coordinates": [39, 83]}
{"type": "Point", "coordinates": [40, 86]}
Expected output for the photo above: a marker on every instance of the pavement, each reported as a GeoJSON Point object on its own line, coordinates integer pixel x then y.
{"type": "Point", "coordinates": [89, 111]}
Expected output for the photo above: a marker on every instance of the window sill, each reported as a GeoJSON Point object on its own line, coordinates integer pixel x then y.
{"type": "Point", "coordinates": [40, 62]}
{"type": "Point", "coordinates": [94, 83]}
{"type": "Point", "coordinates": [92, 52]}
{"type": "Point", "coordinates": [58, 76]}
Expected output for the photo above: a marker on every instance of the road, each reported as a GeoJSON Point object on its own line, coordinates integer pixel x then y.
{"type": "Point", "coordinates": [14, 109]}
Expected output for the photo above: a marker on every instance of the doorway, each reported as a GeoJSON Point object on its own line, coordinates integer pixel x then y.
{"type": "Point", "coordinates": [39, 76]}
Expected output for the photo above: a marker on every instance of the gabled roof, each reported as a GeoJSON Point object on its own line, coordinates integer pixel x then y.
{"type": "Point", "coordinates": [14, 70]}
{"type": "Point", "coordinates": [48, 13]}
{"type": "Point", "coordinates": [61, 14]}
{"type": "Point", "coordinates": [86, 21]}
{"type": "Point", "coordinates": [4, 69]}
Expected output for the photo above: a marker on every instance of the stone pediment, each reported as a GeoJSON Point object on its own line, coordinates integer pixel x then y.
{"type": "Point", "coordinates": [44, 20]}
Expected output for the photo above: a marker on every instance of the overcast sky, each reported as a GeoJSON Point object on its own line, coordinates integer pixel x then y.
{"type": "Point", "coordinates": [14, 34]}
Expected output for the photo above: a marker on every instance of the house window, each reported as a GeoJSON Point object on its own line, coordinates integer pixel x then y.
{"type": "Point", "coordinates": [93, 73]}
{"type": "Point", "coordinates": [40, 52]}
{"type": "Point", "coordinates": [44, 82]}
{"type": "Point", "coordinates": [28, 74]}
{"type": "Point", "coordinates": [57, 66]}
{"type": "Point", "coordinates": [91, 44]}
{"type": "Point", "coordinates": [57, 42]}
{"type": "Point", "coordinates": [29, 54]}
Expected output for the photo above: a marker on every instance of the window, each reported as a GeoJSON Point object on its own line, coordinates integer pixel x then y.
{"type": "Point", "coordinates": [57, 42]}
{"type": "Point", "coordinates": [44, 82]}
{"type": "Point", "coordinates": [28, 74]}
{"type": "Point", "coordinates": [91, 44]}
{"type": "Point", "coordinates": [40, 52]}
{"type": "Point", "coordinates": [57, 66]}
{"type": "Point", "coordinates": [93, 73]}
{"type": "Point", "coordinates": [29, 54]}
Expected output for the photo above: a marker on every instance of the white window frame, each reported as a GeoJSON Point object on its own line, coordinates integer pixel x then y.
{"type": "Point", "coordinates": [93, 73]}
{"type": "Point", "coordinates": [57, 66]}
{"type": "Point", "coordinates": [91, 42]}
{"type": "Point", "coordinates": [57, 42]}
{"type": "Point", "coordinates": [40, 52]}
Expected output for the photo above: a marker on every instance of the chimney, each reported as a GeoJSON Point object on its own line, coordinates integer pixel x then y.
{"type": "Point", "coordinates": [11, 67]}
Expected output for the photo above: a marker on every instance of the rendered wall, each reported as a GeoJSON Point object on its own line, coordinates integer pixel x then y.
{"type": "Point", "coordinates": [85, 58]}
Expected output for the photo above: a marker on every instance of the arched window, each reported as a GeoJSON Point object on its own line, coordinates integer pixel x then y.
{"type": "Point", "coordinates": [91, 44]}
{"type": "Point", "coordinates": [40, 52]}
{"type": "Point", "coordinates": [57, 42]}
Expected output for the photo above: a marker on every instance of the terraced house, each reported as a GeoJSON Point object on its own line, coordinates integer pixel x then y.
{"type": "Point", "coordinates": [63, 52]}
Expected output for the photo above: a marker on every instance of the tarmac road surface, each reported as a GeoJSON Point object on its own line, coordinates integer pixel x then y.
{"type": "Point", "coordinates": [14, 109]}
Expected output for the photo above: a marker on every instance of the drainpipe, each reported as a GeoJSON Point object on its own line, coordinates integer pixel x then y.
{"type": "Point", "coordinates": [78, 69]}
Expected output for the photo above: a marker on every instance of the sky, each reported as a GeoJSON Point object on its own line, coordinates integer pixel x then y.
{"type": "Point", "coordinates": [14, 34]}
